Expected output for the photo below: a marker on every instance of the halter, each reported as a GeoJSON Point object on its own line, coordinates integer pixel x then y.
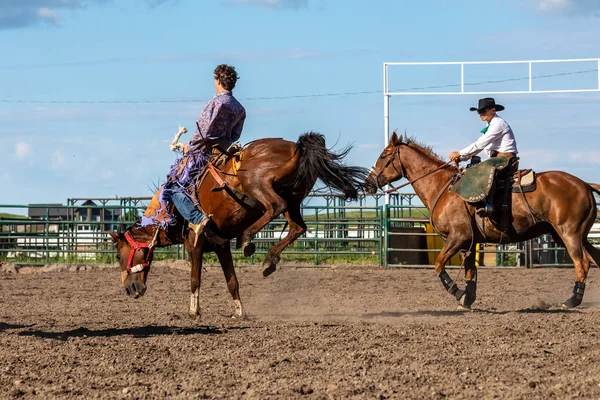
{"type": "Point", "coordinates": [135, 246]}
{"type": "Point", "coordinates": [388, 162]}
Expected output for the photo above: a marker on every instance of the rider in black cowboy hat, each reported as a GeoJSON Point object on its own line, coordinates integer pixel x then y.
{"type": "Point", "coordinates": [497, 139]}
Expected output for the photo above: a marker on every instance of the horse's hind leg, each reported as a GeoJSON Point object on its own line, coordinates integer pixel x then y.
{"type": "Point", "coordinates": [574, 245]}
{"type": "Point", "coordinates": [296, 228]}
{"type": "Point", "coordinates": [274, 205]}
{"type": "Point", "coordinates": [226, 261]}
{"type": "Point", "coordinates": [591, 252]}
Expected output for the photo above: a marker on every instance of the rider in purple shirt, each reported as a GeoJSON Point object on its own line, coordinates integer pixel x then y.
{"type": "Point", "coordinates": [220, 123]}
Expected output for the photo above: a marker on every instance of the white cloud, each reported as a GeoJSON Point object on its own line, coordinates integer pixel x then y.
{"type": "Point", "coordinates": [570, 7]}
{"type": "Point", "coordinates": [47, 14]}
{"type": "Point", "coordinates": [108, 174]}
{"type": "Point", "coordinates": [585, 156]}
{"type": "Point", "coordinates": [58, 159]}
{"type": "Point", "coordinates": [22, 150]}
{"type": "Point", "coordinates": [540, 159]}
{"type": "Point", "coordinates": [553, 5]}
{"type": "Point", "coordinates": [23, 13]}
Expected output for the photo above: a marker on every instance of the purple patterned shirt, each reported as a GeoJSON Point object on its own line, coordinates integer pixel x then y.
{"type": "Point", "coordinates": [220, 123]}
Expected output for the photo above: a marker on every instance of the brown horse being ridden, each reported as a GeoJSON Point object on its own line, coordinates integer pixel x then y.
{"type": "Point", "coordinates": [278, 174]}
{"type": "Point", "coordinates": [562, 205]}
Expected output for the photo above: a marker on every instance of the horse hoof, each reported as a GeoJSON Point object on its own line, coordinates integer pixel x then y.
{"type": "Point", "coordinates": [249, 249]}
{"type": "Point", "coordinates": [193, 316]}
{"type": "Point", "coordinates": [571, 303]}
{"type": "Point", "coordinates": [240, 313]}
{"type": "Point", "coordinates": [466, 300]}
{"type": "Point", "coordinates": [464, 308]}
{"type": "Point", "coordinates": [269, 270]}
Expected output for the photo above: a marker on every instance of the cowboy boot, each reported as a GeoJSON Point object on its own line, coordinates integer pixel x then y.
{"type": "Point", "coordinates": [486, 207]}
{"type": "Point", "coordinates": [198, 229]}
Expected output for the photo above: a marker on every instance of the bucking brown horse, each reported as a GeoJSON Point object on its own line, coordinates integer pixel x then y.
{"type": "Point", "coordinates": [562, 205]}
{"type": "Point", "coordinates": [276, 175]}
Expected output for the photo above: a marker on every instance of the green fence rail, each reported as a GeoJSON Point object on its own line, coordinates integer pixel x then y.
{"type": "Point", "coordinates": [336, 233]}
{"type": "Point", "coordinates": [364, 232]}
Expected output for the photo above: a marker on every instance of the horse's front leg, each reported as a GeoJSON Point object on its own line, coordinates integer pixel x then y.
{"type": "Point", "coordinates": [195, 253]}
{"type": "Point", "coordinates": [451, 247]}
{"type": "Point", "coordinates": [470, 292]}
{"type": "Point", "coordinates": [226, 261]}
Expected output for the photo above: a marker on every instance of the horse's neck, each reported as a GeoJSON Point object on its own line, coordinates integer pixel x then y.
{"type": "Point", "coordinates": [418, 164]}
{"type": "Point", "coordinates": [146, 235]}
{"type": "Point", "coordinates": [142, 234]}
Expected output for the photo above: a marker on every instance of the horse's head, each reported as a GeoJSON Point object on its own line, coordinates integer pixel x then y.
{"type": "Point", "coordinates": [388, 167]}
{"type": "Point", "coordinates": [134, 258]}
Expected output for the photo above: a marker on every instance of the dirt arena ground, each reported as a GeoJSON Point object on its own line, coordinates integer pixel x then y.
{"type": "Point", "coordinates": [316, 333]}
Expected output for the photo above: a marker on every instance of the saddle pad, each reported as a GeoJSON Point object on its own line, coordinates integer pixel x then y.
{"type": "Point", "coordinates": [527, 181]}
{"type": "Point", "coordinates": [476, 182]}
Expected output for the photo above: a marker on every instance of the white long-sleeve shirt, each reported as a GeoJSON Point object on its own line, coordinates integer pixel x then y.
{"type": "Point", "coordinates": [499, 137]}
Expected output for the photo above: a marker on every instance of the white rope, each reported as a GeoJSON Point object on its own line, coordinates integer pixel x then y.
{"type": "Point", "coordinates": [155, 239]}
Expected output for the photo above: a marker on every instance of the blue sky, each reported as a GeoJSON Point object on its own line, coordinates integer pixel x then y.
{"type": "Point", "coordinates": [67, 66]}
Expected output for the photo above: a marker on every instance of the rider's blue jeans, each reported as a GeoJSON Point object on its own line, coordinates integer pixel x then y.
{"type": "Point", "coordinates": [186, 208]}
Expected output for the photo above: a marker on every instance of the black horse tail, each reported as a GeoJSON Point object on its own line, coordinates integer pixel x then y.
{"type": "Point", "coordinates": [316, 161]}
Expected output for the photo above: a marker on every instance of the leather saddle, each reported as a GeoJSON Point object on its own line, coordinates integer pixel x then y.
{"type": "Point", "coordinates": [218, 161]}
{"type": "Point", "coordinates": [524, 180]}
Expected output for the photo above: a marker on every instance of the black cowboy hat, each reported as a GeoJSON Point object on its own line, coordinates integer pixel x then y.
{"type": "Point", "coordinates": [488, 102]}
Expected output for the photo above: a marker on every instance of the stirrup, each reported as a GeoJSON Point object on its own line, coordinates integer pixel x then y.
{"type": "Point", "coordinates": [198, 228]}
{"type": "Point", "coordinates": [486, 210]}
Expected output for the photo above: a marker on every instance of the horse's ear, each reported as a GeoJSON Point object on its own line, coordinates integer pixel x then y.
{"type": "Point", "coordinates": [394, 139]}
{"type": "Point", "coordinates": [114, 236]}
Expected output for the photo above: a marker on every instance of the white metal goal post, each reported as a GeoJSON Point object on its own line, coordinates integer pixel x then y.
{"type": "Point", "coordinates": [461, 88]}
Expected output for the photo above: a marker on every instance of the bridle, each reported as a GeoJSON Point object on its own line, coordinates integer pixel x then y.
{"type": "Point", "coordinates": [402, 171]}
{"type": "Point", "coordinates": [389, 161]}
{"type": "Point", "coordinates": [135, 246]}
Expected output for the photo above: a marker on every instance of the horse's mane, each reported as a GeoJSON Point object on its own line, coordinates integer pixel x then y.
{"type": "Point", "coordinates": [411, 142]}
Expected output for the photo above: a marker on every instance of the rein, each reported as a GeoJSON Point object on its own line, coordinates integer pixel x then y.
{"type": "Point", "coordinates": [135, 246]}
{"type": "Point", "coordinates": [410, 182]}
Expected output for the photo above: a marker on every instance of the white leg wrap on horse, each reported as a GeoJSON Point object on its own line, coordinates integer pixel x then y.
{"type": "Point", "coordinates": [195, 302]}
{"type": "Point", "coordinates": [239, 309]}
